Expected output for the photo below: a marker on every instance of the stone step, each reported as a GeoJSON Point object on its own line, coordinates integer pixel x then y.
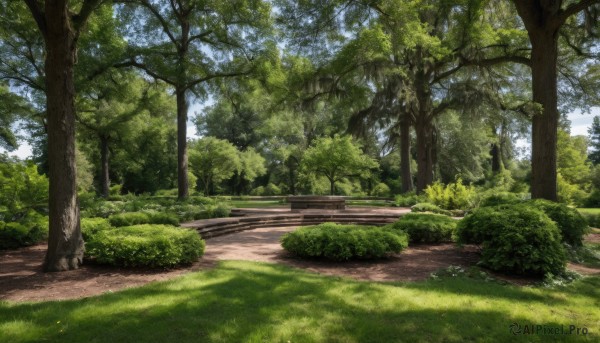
{"type": "Point", "coordinates": [221, 226]}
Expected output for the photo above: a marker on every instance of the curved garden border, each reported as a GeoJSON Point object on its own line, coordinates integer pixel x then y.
{"type": "Point", "coordinates": [247, 219]}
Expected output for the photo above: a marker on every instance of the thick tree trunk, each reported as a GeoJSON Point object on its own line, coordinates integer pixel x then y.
{"type": "Point", "coordinates": [104, 177]}
{"type": "Point", "coordinates": [292, 163]}
{"type": "Point", "coordinates": [292, 181]}
{"type": "Point", "coordinates": [496, 162]}
{"type": "Point", "coordinates": [544, 134]}
{"type": "Point", "coordinates": [332, 187]}
{"type": "Point", "coordinates": [182, 158]}
{"type": "Point", "coordinates": [407, 183]}
{"type": "Point", "coordinates": [424, 155]}
{"type": "Point", "coordinates": [423, 125]}
{"type": "Point", "coordinates": [65, 243]}
{"type": "Point", "coordinates": [495, 153]}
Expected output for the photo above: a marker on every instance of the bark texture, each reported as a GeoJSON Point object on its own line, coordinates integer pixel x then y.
{"type": "Point", "coordinates": [65, 243]}
{"type": "Point", "coordinates": [182, 154]}
{"type": "Point", "coordinates": [542, 20]}
{"type": "Point", "coordinates": [544, 135]}
{"type": "Point", "coordinates": [104, 177]}
{"type": "Point", "coordinates": [407, 183]}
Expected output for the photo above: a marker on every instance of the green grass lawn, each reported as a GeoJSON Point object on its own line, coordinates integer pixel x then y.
{"type": "Point", "coordinates": [255, 203]}
{"type": "Point", "coordinates": [589, 210]}
{"type": "Point", "coordinates": [379, 203]}
{"type": "Point", "coordinates": [276, 203]}
{"type": "Point", "coordinates": [254, 302]}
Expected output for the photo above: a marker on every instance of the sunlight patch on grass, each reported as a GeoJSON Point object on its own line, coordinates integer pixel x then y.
{"type": "Point", "coordinates": [257, 302]}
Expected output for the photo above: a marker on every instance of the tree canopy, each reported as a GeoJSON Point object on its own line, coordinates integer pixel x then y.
{"type": "Point", "coordinates": [337, 158]}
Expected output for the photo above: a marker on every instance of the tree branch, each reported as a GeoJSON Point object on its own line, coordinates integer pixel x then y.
{"type": "Point", "coordinates": [157, 15]}
{"type": "Point", "coordinates": [38, 14]}
{"type": "Point", "coordinates": [133, 63]}
{"type": "Point", "coordinates": [81, 18]}
{"type": "Point", "coordinates": [498, 60]}
{"type": "Point", "coordinates": [575, 8]}
{"type": "Point", "coordinates": [216, 75]}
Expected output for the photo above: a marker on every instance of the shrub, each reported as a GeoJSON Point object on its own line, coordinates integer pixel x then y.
{"type": "Point", "coordinates": [454, 196]}
{"type": "Point", "coordinates": [408, 199]}
{"type": "Point", "coordinates": [258, 191]}
{"type": "Point", "coordinates": [217, 211]}
{"type": "Point", "coordinates": [129, 218]}
{"type": "Point", "coordinates": [592, 219]}
{"type": "Point", "coordinates": [136, 218]}
{"type": "Point", "coordinates": [593, 200]}
{"type": "Point", "coordinates": [344, 242]}
{"type": "Point", "coordinates": [428, 207]}
{"type": "Point", "coordinates": [571, 223]}
{"type": "Point", "coordinates": [31, 229]}
{"type": "Point", "coordinates": [515, 239]}
{"type": "Point", "coordinates": [91, 226]}
{"type": "Point", "coordinates": [426, 227]}
{"type": "Point", "coordinates": [163, 218]}
{"type": "Point", "coordinates": [102, 208]}
{"type": "Point", "coordinates": [21, 187]}
{"type": "Point", "coordinates": [501, 198]}
{"type": "Point", "coordinates": [187, 212]}
{"type": "Point", "coordinates": [145, 246]}
{"type": "Point", "coordinates": [272, 189]}
{"type": "Point", "coordinates": [381, 190]}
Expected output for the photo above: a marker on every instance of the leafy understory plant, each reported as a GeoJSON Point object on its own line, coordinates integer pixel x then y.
{"type": "Point", "coordinates": [453, 196]}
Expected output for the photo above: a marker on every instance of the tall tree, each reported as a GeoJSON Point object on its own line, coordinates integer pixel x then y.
{"type": "Point", "coordinates": [61, 27]}
{"type": "Point", "coordinates": [186, 43]}
{"type": "Point", "coordinates": [213, 160]}
{"type": "Point", "coordinates": [105, 111]}
{"type": "Point", "coordinates": [594, 141]}
{"type": "Point", "coordinates": [337, 158]}
{"type": "Point", "coordinates": [543, 20]}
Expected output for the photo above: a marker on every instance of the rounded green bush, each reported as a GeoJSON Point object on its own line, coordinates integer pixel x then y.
{"type": "Point", "coordinates": [429, 207]}
{"type": "Point", "coordinates": [426, 227]}
{"type": "Point", "coordinates": [145, 246]}
{"type": "Point", "coordinates": [91, 226]}
{"type": "Point", "coordinates": [344, 242]}
{"type": "Point", "coordinates": [149, 217]}
{"type": "Point", "coordinates": [515, 239]}
{"type": "Point", "coordinates": [572, 225]}
{"type": "Point", "coordinates": [31, 229]}
{"type": "Point", "coordinates": [501, 198]}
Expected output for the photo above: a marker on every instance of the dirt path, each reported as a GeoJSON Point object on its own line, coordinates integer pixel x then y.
{"type": "Point", "coordinates": [21, 277]}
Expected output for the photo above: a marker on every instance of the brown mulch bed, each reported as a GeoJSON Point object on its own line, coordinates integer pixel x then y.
{"type": "Point", "coordinates": [22, 279]}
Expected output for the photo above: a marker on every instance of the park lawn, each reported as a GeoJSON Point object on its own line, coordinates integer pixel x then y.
{"type": "Point", "coordinates": [589, 210]}
{"type": "Point", "coordinates": [255, 203]}
{"type": "Point", "coordinates": [591, 257]}
{"type": "Point", "coordinates": [378, 203]}
{"type": "Point", "coordinates": [258, 302]}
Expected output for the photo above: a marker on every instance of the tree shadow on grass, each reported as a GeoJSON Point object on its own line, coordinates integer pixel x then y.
{"type": "Point", "coordinates": [254, 302]}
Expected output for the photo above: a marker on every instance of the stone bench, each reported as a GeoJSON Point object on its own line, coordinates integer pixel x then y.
{"type": "Point", "coordinates": [304, 202]}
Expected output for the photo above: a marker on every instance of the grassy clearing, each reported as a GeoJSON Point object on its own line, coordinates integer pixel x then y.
{"type": "Point", "coordinates": [255, 203]}
{"type": "Point", "coordinates": [253, 302]}
{"type": "Point", "coordinates": [590, 256]}
{"type": "Point", "coordinates": [589, 210]}
{"type": "Point", "coordinates": [378, 203]}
